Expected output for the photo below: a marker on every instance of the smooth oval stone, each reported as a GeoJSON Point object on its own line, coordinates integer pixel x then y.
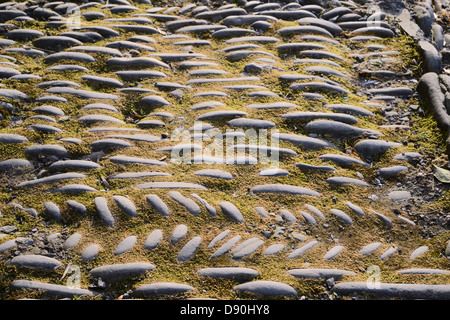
{"type": "Point", "coordinates": [232, 211]}
{"type": "Point", "coordinates": [319, 86]}
{"type": "Point", "coordinates": [126, 205]}
{"type": "Point", "coordinates": [383, 218]}
{"type": "Point", "coordinates": [158, 204]}
{"type": "Point", "coordinates": [218, 238]}
{"type": "Point", "coordinates": [305, 166]}
{"type": "Point", "coordinates": [251, 123]}
{"type": "Point", "coordinates": [51, 179]}
{"type": "Point", "coordinates": [418, 252]}
{"type": "Point", "coordinates": [342, 215]}
{"type": "Point", "coordinates": [23, 34]}
{"type": "Point", "coordinates": [73, 188]}
{"type": "Point", "coordinates": [333, 252]}
{"type": "Point", "coordinates": [74, 164]}
{"type": "Point", "coordinates": [153, 101]}
{"type": "Point", "coordinates": [272, 105]}
{"type": "Point", "coordinates": [14, 164]}
{"type": "Point", "coordinates": [161, 288]}
{"type": "Point", "coordinates": [350, 109]}
{"type": "Point", "coordinates": [103, 211]}
{"type": "Point", "coordinates": [331, 27]}
{"type": "Point", "coordinates": [136, 62]}
{"type": "Point", "coordinates": [395, 290]}
{"type": "Point", "coordinates": [275, 172]}
{"type": "Point", "coordinates": [110, 82]}
{"type": "Point", "coordinates": [370, 248]}
{"type": "Point", "coordinates": [305, 115]}
{"type": "Point", "coordinates": [306, 142]}
{"type": "Point", "coordinates": [189, 249]}
{"type": "Point", "coordinates": [295, 47]}
{"type": "Point", "coordinates": [320, 273]}
{"type": "Point", "coordinates": [346, 180]}
{"type": "Point", "coordinates": [342, 160]}
{"type": "Point", "coordinates": [232, 32]}
{"type": "Point", "coordinates": [229, 273]}
{"type": "Point", "coordinates": [90, 252]}
{"type": "Point", "coordinates": [132, 160]}
{"type": "Point", "coordinates": [53, 210]}
{"type": "Point", "coordinates": [7, 72]}
{"type": "Point", "coordinates": [309, 218]}
{"type": "Point", "coordinates": [310, 29]}
{"type": "Point", "coordinates": [72, 241]}
{"type": "Point", "coordinates": [376, 31]}
{"type": "Point", "coordinates": [69, 56]}
{"type": "Point", "coordinates": [34, 261]}
{"type": "Point", "coordinates": [288, 216]}
{"type": "Point", "coordinates": [423, 271]}
{"type": "Point", "coordinates": [370, 148]}
{"type": "Point", "coordinates": [273, 249]}
{"type": "Point", "coordinates": [153, 239]}
{"type": "Point", "coordinates": [399, 195]}
{"type": "Point", "coordinates": [117, 272]}
{"type": "Point", "coordinates": [388, 253]}
{"type": "Point", "coordinates": [284, 188]}
{"type": "Point", "coordinates": [12, 138]}
{"type": "Point", "coordinates": [50, 289]}
{"type": "Point", "coordinates": [355, 208]}
{"type": "Point", "coordinates": [221, 114]}
{"type": "Point", "coordinates": [55, 43]}
{"type": "Point", "coordinates": [125, 245]}
{"type": "Point", "coordinates": [391, 171]}
{"type": "Point", "coordinates": [105, 144]}
{"type": "Point", "coordinates": [132, 75]}
{"type": "Point", "coordinates": [189, 204]}
{"type": "Point", "coordinates": [337, 129]}
{"type": "Point", "coordinates": [266, 288]}
{"type": "Point", "coordinates": [225, 247]}
{"type": "Point", "coordinates": [67, 67]}
{"type": "Point", "coordinates": [246, 248]}
{"type": "Point", "coordinates": [214, 173]}
{"type": "Point", "coordinates": [75, 205]}
{"type": "Point", "coordinates": [178, 233]}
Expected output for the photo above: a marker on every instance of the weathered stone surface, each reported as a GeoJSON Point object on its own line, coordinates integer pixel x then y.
{"type": "Point", "coordinates": [189, 249]}
{"type": "Point", "coordinates": [178, 233]}
{"type": "Point", "coordinates": [266, 288]}
{"type": "Point", "coordinates": [34, 261]}
{"type": "Point", "coordinates": [231, 211]}
{"type": "Point", "coordinates": [125, 245]}
{"type": "Point", "coordinates": [126, 205]}
{"type": "Point", "coordinates": [284, 188]}
{"type": "Point", "coordinates": [153, 239]}
{"type": "Point", "coordinates": [117, 272]}
{"type": "Point", "coordinates": [103, 211]}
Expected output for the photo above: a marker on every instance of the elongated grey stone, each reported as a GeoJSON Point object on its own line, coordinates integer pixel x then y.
{"type": "Point", "coordinates": [273, 172]}
{"type": "Point", "coordinates": [319, 86]}
{"type": "Point", "coordinates": [84, 94]}
{"type": "Point", "coordinates": [214, 173]}
{"type": "Point", "coordinates": [320, 273]}
{"type": "Point", "coordinates": [232, 211]}
{"type": "Point", "coordinates": [229, 273]}
{"type": "Point", "coordinates": [34, 261]}
{"type": "Point", "coordinates": [333, 252]}
{"type": "Point", "coordinates": [158, 204]}
{"type": "Point", "coordinates": [356, 209]}
{"type": "Point", "coordinates": [346, 180]}
{"type": "Point", "coordinates": [342, 160]}
{"type": "Point", "coordinates": [126, 205]}
{"type": "Point", "coordinates": [135, 62]}
{"type": "Point", "coordinates": [371, 247]}
{"type": "Point", "coordinates": [50, 289]}
{"type": "Point", "coordinates": [370, 148]}
{"type": "Point", "coordinates": [138, 175]}
{"type": "Point", "coordinates": [132, 160]}
{"type": "Point", "coordinates": [212, 211]}
{"type": "Point", "coordinates": [350, 109]}
{"type": "Point", "coordinates": [396, 290]}
{"type": "Point", "coordinates": [273, 249]}
{"type": "Point", "coordinates": [161, 288]}
{"type": "Point", "coordinates": [391, 171]}
{"type": "Point", "coordinates": [14, 164]}
{"type": "Point", "coordinates": [53, 210]}
{"type": "Point", "coordinates": [225, 247]}
{"type": "Point", "coordinates": [307, 115]}
{"type": "Point", "coordinates": [73, 188]}
{"type": "Point", "coordinates": [342, 215]}
{"type": "Point", "coordinates": [246, 248]}
{"type": "Point", "coordinates": [12, 138]}
{"type": "Point", "coordinates": [74, 164]}
{"type": "Point", "coordinates": [423, 271]}
{"type": "Point", "coordinates": [310, 29]}
{"type": "Point", "coordinates": [51, 179]}
{"type": "Point", "coordinates": [69, 56]}
{"type": "Point", "coordinates": [178, 233]}
{"type": "Point", "coordinates": [75, 205]}
{"type": "Point", "coordinates": [125, 245]}
{"type": "Point", "coordinates": [103, 211]}
{"type": "Point", "coordinates": [189, 204]}
{"type": "Point", "coordinates": [288, 216]}
{"type": "Point", "coordinates": [284, 188]}
{"type": "Point", "coordinates": [47, 150]}
{"type": "Point", "coordinates": [305, 166]}
{"type": "Point", "coordinates": [309, 218]}
{"type": "Point", "coordinates": [218, 238]}
{"type": "Point", "coordinates": [93, 118]}
{"type": "Point", "coordinates": [153, 101]}
{"type": "Point", "coordinates": [388, 253]}
{"type": "Point", "coordinates": [117, 272]}
{"type": "Point", "coordinates": [252, 123]}
{"type": "Point", "coordinates": [272, 105]}
{"type": "Point", "coordinates": [383, 218]}
{"type": "Point", "coordinates": [266, 288]}
{"type": "Point", "coordinates": [153, 239]}
{"type": "Point", "coordinates": [90, 252]}
{"type": "Point", "coordinates": [56, 43]}
{"type": "Point", "coordinates": [106, 81]}
{"type": "Point", "coordinates": [418, 252]}
{"type": "Point", "coordinates": [170, 185]}
{"type": "Point", "coordinates": [222, 114]}
{"type": "Point", "coordinates": [72, 241]}
{"type": "Point", "coordinates": [189, 249]}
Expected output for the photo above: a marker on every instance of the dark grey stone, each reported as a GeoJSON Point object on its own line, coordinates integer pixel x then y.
{"type": "Point", "coordinates": [320, 273]}
{"type": "Point", "coordinates": [161, 288]}
{"type": "Point", "coordinates": [50, 289]}
{"type": "Point", "coordinates": [117, 272]}
{"type": "Point", "coordinates": [232, 211]}
{"type": "Point", "coordinates": [229, 273]}
{"type": "Point", "coordinates": [125, 245]}
{"type": "Point", "coordinates": [189, 249]}
{"type": "Point", "coordinates": [126, 205]}
{"type": "Point", "coordinates": [266, 288]}
{"type": "Point", "coordinates": [101, 205]}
